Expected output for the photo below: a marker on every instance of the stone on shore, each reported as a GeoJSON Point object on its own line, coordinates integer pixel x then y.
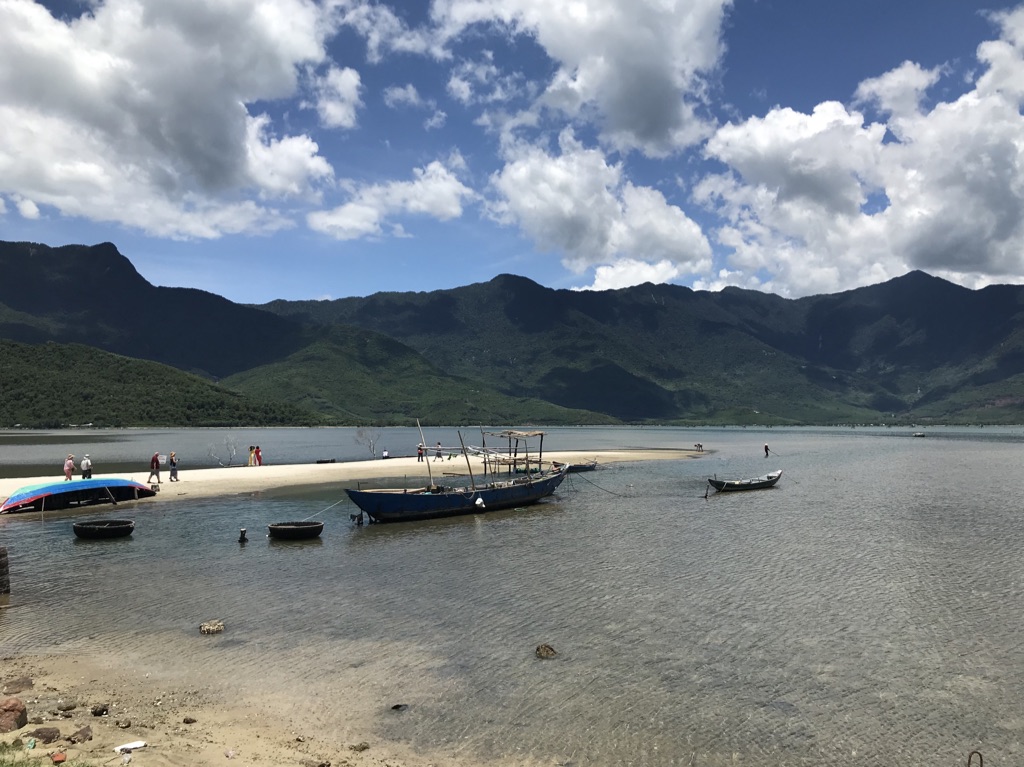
{"type": "Point", "coordinates": [81, 735]}
{"type": "Point", "coordinates": [13, 714]}
{"type": "Point", "coordinates": [13, 686]}
{"type": "Point", "coordinates": [45, 734]}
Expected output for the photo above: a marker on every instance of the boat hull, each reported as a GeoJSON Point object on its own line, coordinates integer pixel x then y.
{"type": "Point", "coordinates": [104, 528]}
{"type": "Point", "coordinates": [576, 468]}
{"type": "Point", "coordinates": [734, 485]}
{"type": "Point", "coordinates": [295, 531]}
{"type": "Point", "coordinates": [435, 503]}
{"type": "Point", "coordinates": [53, 496]}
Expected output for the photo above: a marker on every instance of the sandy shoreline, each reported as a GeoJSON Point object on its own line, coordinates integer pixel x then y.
{"type": "Point", "coordinates": [182, 723]}
{"type": "Point", "coordinates": [205, 483]}
{"type": "Point", "coordinates": [199, 724]}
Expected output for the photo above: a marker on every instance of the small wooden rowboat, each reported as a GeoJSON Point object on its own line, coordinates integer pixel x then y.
{"type": "Point", "coordinates": [104, 528]}
{"type": "Point", "coordinates": [293, 531]}
{"type": "Point", "coordinates": [756, 483]}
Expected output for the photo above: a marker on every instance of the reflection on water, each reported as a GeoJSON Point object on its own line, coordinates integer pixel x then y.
{"type": "Point", "coordinates": [866, 610]}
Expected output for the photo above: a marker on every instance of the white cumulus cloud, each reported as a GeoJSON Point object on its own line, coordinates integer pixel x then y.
{"type": "Point", "coordinates": [435, 191]}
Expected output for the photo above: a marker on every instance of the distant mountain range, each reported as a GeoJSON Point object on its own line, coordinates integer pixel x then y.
{"type": "Point", "coordinates": [509, 351]}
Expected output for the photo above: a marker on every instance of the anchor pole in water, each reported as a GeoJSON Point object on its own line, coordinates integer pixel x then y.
{"type": "Point", "coordinates": [5, 572]}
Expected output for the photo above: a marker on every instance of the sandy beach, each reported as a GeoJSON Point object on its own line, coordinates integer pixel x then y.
{"type": "Point", "coordinates": [204, 483]}
{"type": "Point", "coordinates": [185, 723]}
{"type": "Point", "coordinates": [182, 725]}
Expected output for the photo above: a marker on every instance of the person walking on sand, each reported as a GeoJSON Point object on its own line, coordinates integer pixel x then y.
{"type": "Point", "coordinates": [172, 461]}
{"type": "Point", "coordinates": [437, 452]}
{"type": "Point", "coordinates": [258, 455]}
{"type": "Point", "coordinates": [252, 455]}
{"type": "Point", "coordinates": [86, 467]}
{"type": "Point", "coordinates": [154, 468]}
{"type": "Point", "coordinates": [69, 466]}
{"type": "Point", "coordinates": [419, 452]}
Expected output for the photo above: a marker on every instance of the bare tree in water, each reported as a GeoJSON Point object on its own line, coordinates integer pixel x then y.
{"type": "Point", "coordinates": [230, 450]}
{"type": "Point", "coordinates": [369, 436]}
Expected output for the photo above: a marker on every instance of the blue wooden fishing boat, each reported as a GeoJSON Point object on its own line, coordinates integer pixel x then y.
{"type": "Point", "coordinates": [52, 496]}
{"type": "Point", "coordinates": [436, 501]}
{"type": "Point", "coordinates": [510, 480]}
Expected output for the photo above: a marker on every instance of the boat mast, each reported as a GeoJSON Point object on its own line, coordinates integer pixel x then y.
{"type": "Point", "coordinates": [486, 455]}
{"type": "Point", "coordinates": [430, 474]}
{"type": "Point", "coordinates": [472, 483]}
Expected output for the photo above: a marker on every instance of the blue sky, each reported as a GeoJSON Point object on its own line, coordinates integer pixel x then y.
{"type": "Point", "coordinates": [263, 149]}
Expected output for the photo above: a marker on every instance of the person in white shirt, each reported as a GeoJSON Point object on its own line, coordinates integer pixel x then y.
{"type": "Point", "coordinates": [86, 467]}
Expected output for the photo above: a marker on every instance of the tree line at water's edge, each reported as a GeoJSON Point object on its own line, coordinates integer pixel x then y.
{"type": "Point", "coordinates": [85, 339]}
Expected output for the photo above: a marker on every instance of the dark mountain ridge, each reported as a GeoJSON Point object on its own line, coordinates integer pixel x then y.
{"type": "Point", "coordinates": [915, 347]}
{"type": "Point", "coordinates": [658, 351]}
{"type": "Point", "coordinates": [94, 296]}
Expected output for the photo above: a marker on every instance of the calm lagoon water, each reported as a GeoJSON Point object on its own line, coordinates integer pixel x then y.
{"type": "Point", "coordinates": [867, 610]}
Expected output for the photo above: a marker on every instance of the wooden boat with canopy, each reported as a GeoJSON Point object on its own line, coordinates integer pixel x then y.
{"type": "Point", "coordinates": [511, 478]}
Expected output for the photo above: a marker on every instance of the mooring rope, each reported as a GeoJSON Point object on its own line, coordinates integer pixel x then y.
{"type": "Point", "coordinates": [323, 510]}
{"type": "Point", "coordinates": [610, 492]}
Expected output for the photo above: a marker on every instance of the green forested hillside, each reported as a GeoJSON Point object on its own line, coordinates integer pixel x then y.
{"type": "Point", "coordinates": [54, 385]}
{"type": "Point", "coordinates": [355, 376]}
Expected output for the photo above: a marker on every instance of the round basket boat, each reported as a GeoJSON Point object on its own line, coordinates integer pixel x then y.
{"type": "Point", "coordinates": [293, 531]}
{"type": "Point", "coordinates": [104, 528]}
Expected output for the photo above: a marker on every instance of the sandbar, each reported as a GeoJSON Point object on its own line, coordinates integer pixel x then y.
{"type": "Point", "coordinates": [231, 480]}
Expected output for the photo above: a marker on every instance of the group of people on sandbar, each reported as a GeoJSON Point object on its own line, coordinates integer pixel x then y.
{"type": "Point", "coordinates": [421, 452]}
{"type": "Point", "coordinates": [155, 463]}
{"type": "Point", "coordinates": [85, 465]}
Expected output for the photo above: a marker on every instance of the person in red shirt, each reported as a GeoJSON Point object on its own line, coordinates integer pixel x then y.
{"type": "Point", "coordinates": [154, 468]}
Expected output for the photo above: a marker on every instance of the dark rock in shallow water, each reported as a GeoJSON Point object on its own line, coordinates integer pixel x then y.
{"type": "Point", "coordinates": [784, 706]}
{"type": "Point", "coordinates": [545, 651]}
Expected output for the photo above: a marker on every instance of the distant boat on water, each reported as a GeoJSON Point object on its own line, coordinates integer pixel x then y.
{"type": "Point", "coordinates": [53, 496]}
{"type": "Point", "coordinates": [755, 483]}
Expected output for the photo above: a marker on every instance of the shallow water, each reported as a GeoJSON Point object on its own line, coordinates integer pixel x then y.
{"type": "Point", "coordinates": [866, 610]}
